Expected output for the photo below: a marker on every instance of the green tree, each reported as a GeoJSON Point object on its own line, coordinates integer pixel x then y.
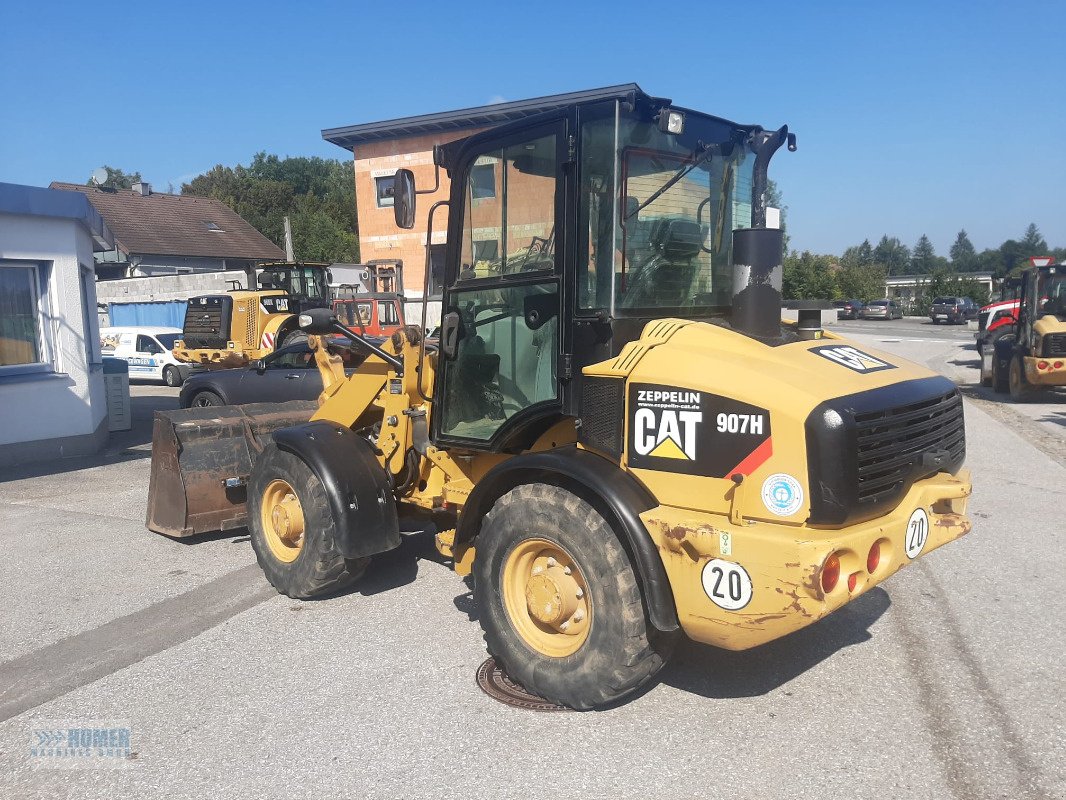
{"type": "Point", "coordinates": [893, 255]}
{"type": "Point", "coordinates": [808, 276]}
{"type": "Point", "coordinates": [862, 283]}
{"type": "Point", "coordinates": [861, 255]}
{"type": "Point", "coordinates": [317, 194]}
{"type": "Point", "coordinates": [1033, 243]}
{"type": "Point", "coordinates": [118, 179]}
{"type": "Point", "coordinates": [923, 259]}
{"type": "Point", "coordinates": [963, 254]}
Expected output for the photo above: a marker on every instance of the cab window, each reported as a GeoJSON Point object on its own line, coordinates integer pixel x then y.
{"type": "Point", "coordinates": [146, 344]}
{"type": "Point", "coordinates": [509, 214]}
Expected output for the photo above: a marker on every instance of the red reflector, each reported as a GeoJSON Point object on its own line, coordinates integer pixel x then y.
{"type": "Point", "coordinates": [853, 579]}
{"type": "Point", "coordinates": [873, 558]}
{"type": "Point", "coordinates": [1058, 365]}
{"type": "Point", "coordinates": [1041, 365]}
{"type": "Point", "coordinates": [830, 573]}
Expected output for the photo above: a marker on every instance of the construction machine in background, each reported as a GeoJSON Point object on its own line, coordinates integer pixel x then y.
{"type": "Point", "coordinates": [243, 325]}
{"type": "Point", "coordinates": [1032, 356]}
{"type": "Point", "coordinates": [618, 438]}
{"type": "Point", "coordinates": [374, 308]}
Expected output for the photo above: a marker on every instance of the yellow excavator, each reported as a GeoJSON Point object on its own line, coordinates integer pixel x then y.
{"type": "Point", "coordinates": [617, 435]}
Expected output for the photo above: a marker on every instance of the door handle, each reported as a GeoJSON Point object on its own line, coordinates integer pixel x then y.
{"type": "Point", "coordinates": [449, 334]}
{"type": "Point", "coordinates": [293, 376]}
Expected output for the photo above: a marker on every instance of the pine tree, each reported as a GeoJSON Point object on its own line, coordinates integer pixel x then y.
{"type": "Point", "coordinates": [963, 255]}
{"type": "Point", "coordinates": [923, 259]}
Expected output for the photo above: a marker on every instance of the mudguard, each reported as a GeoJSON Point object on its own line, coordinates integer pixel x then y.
{"type": "Point", "coordinates": [358, 491]}
{"type": "Point", "coordinates": [619, 494]}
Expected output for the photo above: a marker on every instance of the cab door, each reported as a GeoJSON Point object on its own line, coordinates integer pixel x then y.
{"type": "Point", "coordinates": [148, 357]}
{"type": "Point", "coordinates": [500, 329]}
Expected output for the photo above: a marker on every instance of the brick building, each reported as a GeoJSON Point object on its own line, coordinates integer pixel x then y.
{"type": "Point", "coordinates": [381, 148]}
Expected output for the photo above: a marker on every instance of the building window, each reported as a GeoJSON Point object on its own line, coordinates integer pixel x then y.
{"type": "Point", "coordinates": [88, 309]}
{"type": "Point", "coordinates": [24, 328]}
{"type": "Point", "coordinates": [384, 187]}
{"type": "Point", "coordinates": [483, 181]}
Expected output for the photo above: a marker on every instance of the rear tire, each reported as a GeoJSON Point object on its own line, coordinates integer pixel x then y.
{"type": "Point", "coordinates": [305, 565]}
{"type": "Point", "coordinates": [172, 377]}
{"type": "Point", "coordinates": [601, 647]}
{"type": "Point", "coordinates": [291, 338]}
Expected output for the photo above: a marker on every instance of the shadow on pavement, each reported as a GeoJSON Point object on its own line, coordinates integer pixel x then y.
{"type": "Point", "coordinates": [720, 674]}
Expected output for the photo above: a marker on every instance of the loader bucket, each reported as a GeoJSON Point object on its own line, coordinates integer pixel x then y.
{"type": "Point", "coordinates": [201, 460]}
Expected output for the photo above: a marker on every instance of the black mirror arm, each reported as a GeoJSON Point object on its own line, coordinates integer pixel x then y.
{"type": "Point", "coordinates": [394, 361]}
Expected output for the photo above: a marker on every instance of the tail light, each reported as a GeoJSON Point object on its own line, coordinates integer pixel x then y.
{"type": "Point", "coordinates": [1058, 365]}
{"type": "Point", "coordinates": [830, 573]}
{"type": "Point", "coordinates": [873, 558]}
{"type": "Point", "coordinates": [1041, 365]}
{"type": "Point", "coordinates": [853, 581]}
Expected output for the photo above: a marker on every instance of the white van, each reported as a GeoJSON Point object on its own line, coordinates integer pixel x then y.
{"type": "Point", "coordinates": [148, 352]}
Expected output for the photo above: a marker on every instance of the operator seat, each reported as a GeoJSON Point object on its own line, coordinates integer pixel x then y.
{"type": "Point", "coordinates": [666, 279]}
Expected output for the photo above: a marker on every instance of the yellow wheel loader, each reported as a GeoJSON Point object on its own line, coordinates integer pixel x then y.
{"type": "Point", "coordinates": [627, 442]}
{"type": "Point", "coordinates": [1033, 356]}
{"type": "Point", "coordinates": [242, 326]}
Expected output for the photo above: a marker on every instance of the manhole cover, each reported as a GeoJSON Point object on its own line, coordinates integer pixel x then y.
{"type": "Point", "coordinates": [495, 683]}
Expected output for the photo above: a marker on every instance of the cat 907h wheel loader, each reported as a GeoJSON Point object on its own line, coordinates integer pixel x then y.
{"type": "Point", "coordinates": [631, 442]}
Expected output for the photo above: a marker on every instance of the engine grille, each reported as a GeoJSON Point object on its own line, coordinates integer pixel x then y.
{"type": "Point", "coordinates": [207, 322]}
{"type": "Point", "coordinates": [1054, 345]}
{"type": "Point", "coordinates": [900, 443]}
{"type": "Point", "coordinates": [866, 450]}
{"type": "Point", "coordinates": [602, 411]}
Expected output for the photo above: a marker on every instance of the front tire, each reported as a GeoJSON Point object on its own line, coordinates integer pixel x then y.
{"type": "Point", "coordinates": [292, 529]}
{"type": "Point", "coordinates": [558, 600]}
{"type": "Point", "coordinates": [1016, 379]}
{"type": "Point", "coordinates": [205, 400]}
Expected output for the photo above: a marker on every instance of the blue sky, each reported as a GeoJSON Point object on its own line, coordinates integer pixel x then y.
{"type": "Point", "coordinates": [913, 117]}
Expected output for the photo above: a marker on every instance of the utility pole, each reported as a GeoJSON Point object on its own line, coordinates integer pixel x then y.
{"type": "Point", "coordinates": [288, 241]}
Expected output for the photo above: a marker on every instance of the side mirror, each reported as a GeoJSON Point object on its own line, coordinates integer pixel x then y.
{"type": "Point", "coordinates": [318, 320]}
{"type": "Point", "coordinates": [403, 198]}
{"type": "Point", "coordinates": [260, 365]}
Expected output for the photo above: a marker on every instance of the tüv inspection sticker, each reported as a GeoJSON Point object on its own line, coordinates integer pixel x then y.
{"type": "Point", "coordinates": [782, 494]}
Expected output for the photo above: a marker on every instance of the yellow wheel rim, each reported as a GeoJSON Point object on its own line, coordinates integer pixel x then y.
{"type": "Point", "coordinates": [282, 518]}
{"type": "Point", "coordinates": [546, 598]}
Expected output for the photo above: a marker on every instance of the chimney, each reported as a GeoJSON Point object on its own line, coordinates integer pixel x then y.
{"type": "Point", "coordinates": [757, 273]}
{"type": "Point", "coordinates": [142, 188]}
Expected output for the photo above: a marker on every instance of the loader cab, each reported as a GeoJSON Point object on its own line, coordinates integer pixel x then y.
{"type": "Point", "coordinates": [302, 286]}
{"type": "Point", "coordinates": [1043, 300]}
{"type": "Point", "coordinates": [567, 233]}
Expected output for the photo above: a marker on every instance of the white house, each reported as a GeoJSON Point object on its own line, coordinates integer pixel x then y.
{"type": "Point", "coordinates": [52, 401]}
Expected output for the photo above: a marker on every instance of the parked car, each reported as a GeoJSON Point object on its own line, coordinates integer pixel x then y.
{"type": "Point", "coordinates": [882, 309]}
{"type": "Point", "coordinates": [147, 350]}
{"type": "Point", "coordinates": [849, 309]}
{"type": "Point", "coordinates": [953, 310]}
{"type": "Point", "coordinates": [286, 374]}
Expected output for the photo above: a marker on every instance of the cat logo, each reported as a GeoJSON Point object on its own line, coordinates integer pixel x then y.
{"type": "Point", "coordinates": [672, 435]}
{"type": "Point", "coordinates": [852, 358]}
{"type": "Point", "coordinates": [673, 429]}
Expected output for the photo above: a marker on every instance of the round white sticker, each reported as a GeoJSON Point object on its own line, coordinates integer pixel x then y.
{"type": "Point", "coordinates": [782, 494]}
{"type": "Point", "coordinates": [727, 584]}
{"type": "Point", "coordinates": [917, 533]}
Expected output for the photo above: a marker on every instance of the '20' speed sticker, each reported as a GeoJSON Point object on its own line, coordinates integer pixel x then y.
{"type": "Point", "coordinates": [917, 533]}
{"type": "Point", "coordinates": [727, 584]}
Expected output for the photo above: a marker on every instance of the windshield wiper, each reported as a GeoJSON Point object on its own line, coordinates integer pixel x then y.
{"type": "Point", "coordinates": [705, 156]}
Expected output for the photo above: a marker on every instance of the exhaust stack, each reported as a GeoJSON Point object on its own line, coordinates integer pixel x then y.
{"type": "Point", "coordinates": [757, 268]}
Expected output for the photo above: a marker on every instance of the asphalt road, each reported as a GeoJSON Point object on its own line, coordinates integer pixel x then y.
{"type": "Point", "coordinates": [947, 682]}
